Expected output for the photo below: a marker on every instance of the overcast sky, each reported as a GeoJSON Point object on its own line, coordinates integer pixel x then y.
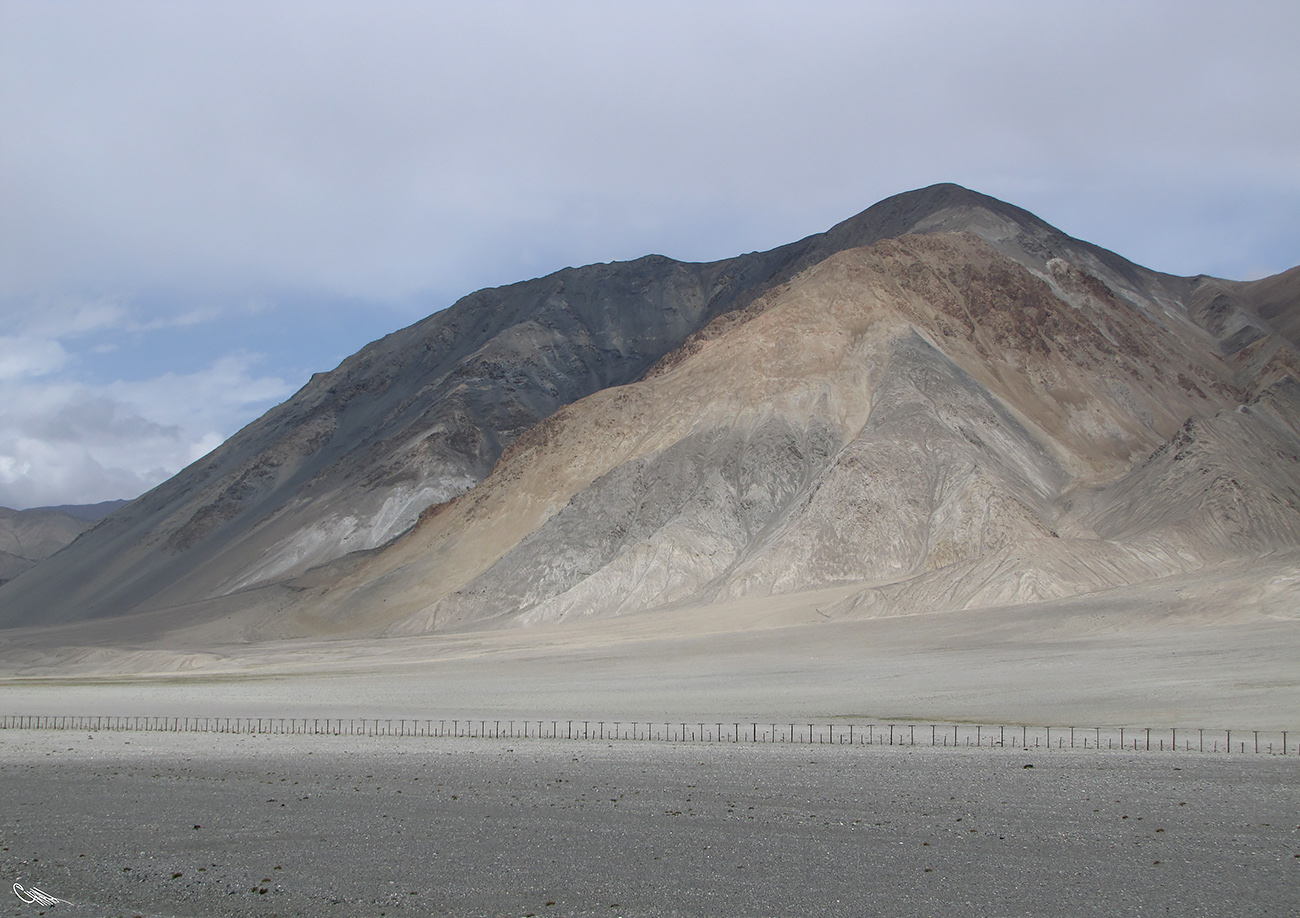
{"type": "Point", "coordinates": [202, 203]}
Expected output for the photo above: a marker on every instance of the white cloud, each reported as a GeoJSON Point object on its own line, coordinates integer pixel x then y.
{"type": "Point", "coordinates": [67, 315]}
{"type": "Point", "coordinates": [206, 444]}
{"type": "Point", "coordinates": [22, 357]}
{"type": "Point", "coordinates": [12, 470]}
{"type": "Point", "coordinates": [72, 443]}
{"type": "Point", "coordinates": [185, 319]}
{"type": "Point", "coordinates": [223, 390]}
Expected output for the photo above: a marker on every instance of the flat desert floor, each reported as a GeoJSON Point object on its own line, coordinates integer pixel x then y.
{"type": "Point", "coordinates": [224, 825]}
{"type": "Point", "coordinates": [1180, 654]}
{"type": "Point", "coordinates": [188, 824]}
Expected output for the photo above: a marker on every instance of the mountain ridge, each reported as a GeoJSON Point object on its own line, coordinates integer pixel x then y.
{"type": "Point", "coordinates": [294, 512]}
{"type": "Point", "coordinates": [954, 431]}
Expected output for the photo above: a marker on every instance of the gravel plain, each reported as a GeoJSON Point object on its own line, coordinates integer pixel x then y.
{"type": "Point", "coordinates": [303, 825]}
{"type": "Point", "coordinates": [223, 825]}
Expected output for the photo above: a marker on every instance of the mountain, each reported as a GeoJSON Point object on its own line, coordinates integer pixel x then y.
{"type": "Point", "coordinates": [92, 513]}
{"type": "Point", "coordinates": [908, 413]}
{"type": "Point", "coordinates": [28, 537]}
{"type": "Point", "coordinates": [941, 402]}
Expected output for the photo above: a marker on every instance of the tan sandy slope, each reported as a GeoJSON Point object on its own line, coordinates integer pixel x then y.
{"type": "Point", "coordinates": [1213, 650]}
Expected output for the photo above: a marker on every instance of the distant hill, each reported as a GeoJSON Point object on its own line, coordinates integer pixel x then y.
{"type": "Point", "coordinates": [30, 536]}
{"type": "Point", "coordinates": [91, 512]}
{"type": "Point", "coordinates": [942, 402]}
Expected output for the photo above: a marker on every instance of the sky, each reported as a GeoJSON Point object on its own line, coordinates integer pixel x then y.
{"type": "Point", "coordinates": [203, 203]}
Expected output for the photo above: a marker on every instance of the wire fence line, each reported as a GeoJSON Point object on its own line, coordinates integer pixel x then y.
{"type": "Point", "coordinates": [1143, 739]}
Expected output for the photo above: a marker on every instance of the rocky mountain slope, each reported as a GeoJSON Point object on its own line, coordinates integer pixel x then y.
{"type": "Point", "coordinates": [903, 413]}
{"type": "Point", "coordinates": [943, 399]}
{"type": "Point", "coordinates": [28, 537]}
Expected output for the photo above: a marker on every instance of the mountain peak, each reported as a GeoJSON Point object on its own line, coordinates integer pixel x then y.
{"type": "Point", "coordinates": [920, 402]}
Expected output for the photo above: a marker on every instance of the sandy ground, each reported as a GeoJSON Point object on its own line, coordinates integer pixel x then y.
{"type": "Point", "coordinates": [1097, 661]}
{"type": "Point", "coordinates": [218, 825]}
{"type": "Point", "coordinates": [156, 824]}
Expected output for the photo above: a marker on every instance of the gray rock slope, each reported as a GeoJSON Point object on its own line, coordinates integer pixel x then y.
{"type": "Point", "coordinates": [632, 435]}
{"type": "Point", "coordinates": [30, 536]}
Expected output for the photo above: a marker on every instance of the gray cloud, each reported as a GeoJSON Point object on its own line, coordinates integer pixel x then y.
{"type": "Point", "coordinates": [96, 417]}
{"type": "Point", "coordinates": [372, 148]}
{"type": "Point", "coordinates": [64, 442]}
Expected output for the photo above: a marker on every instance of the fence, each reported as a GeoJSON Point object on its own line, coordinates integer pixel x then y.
{"type": "Point", "coordinates": [1142, 739]}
